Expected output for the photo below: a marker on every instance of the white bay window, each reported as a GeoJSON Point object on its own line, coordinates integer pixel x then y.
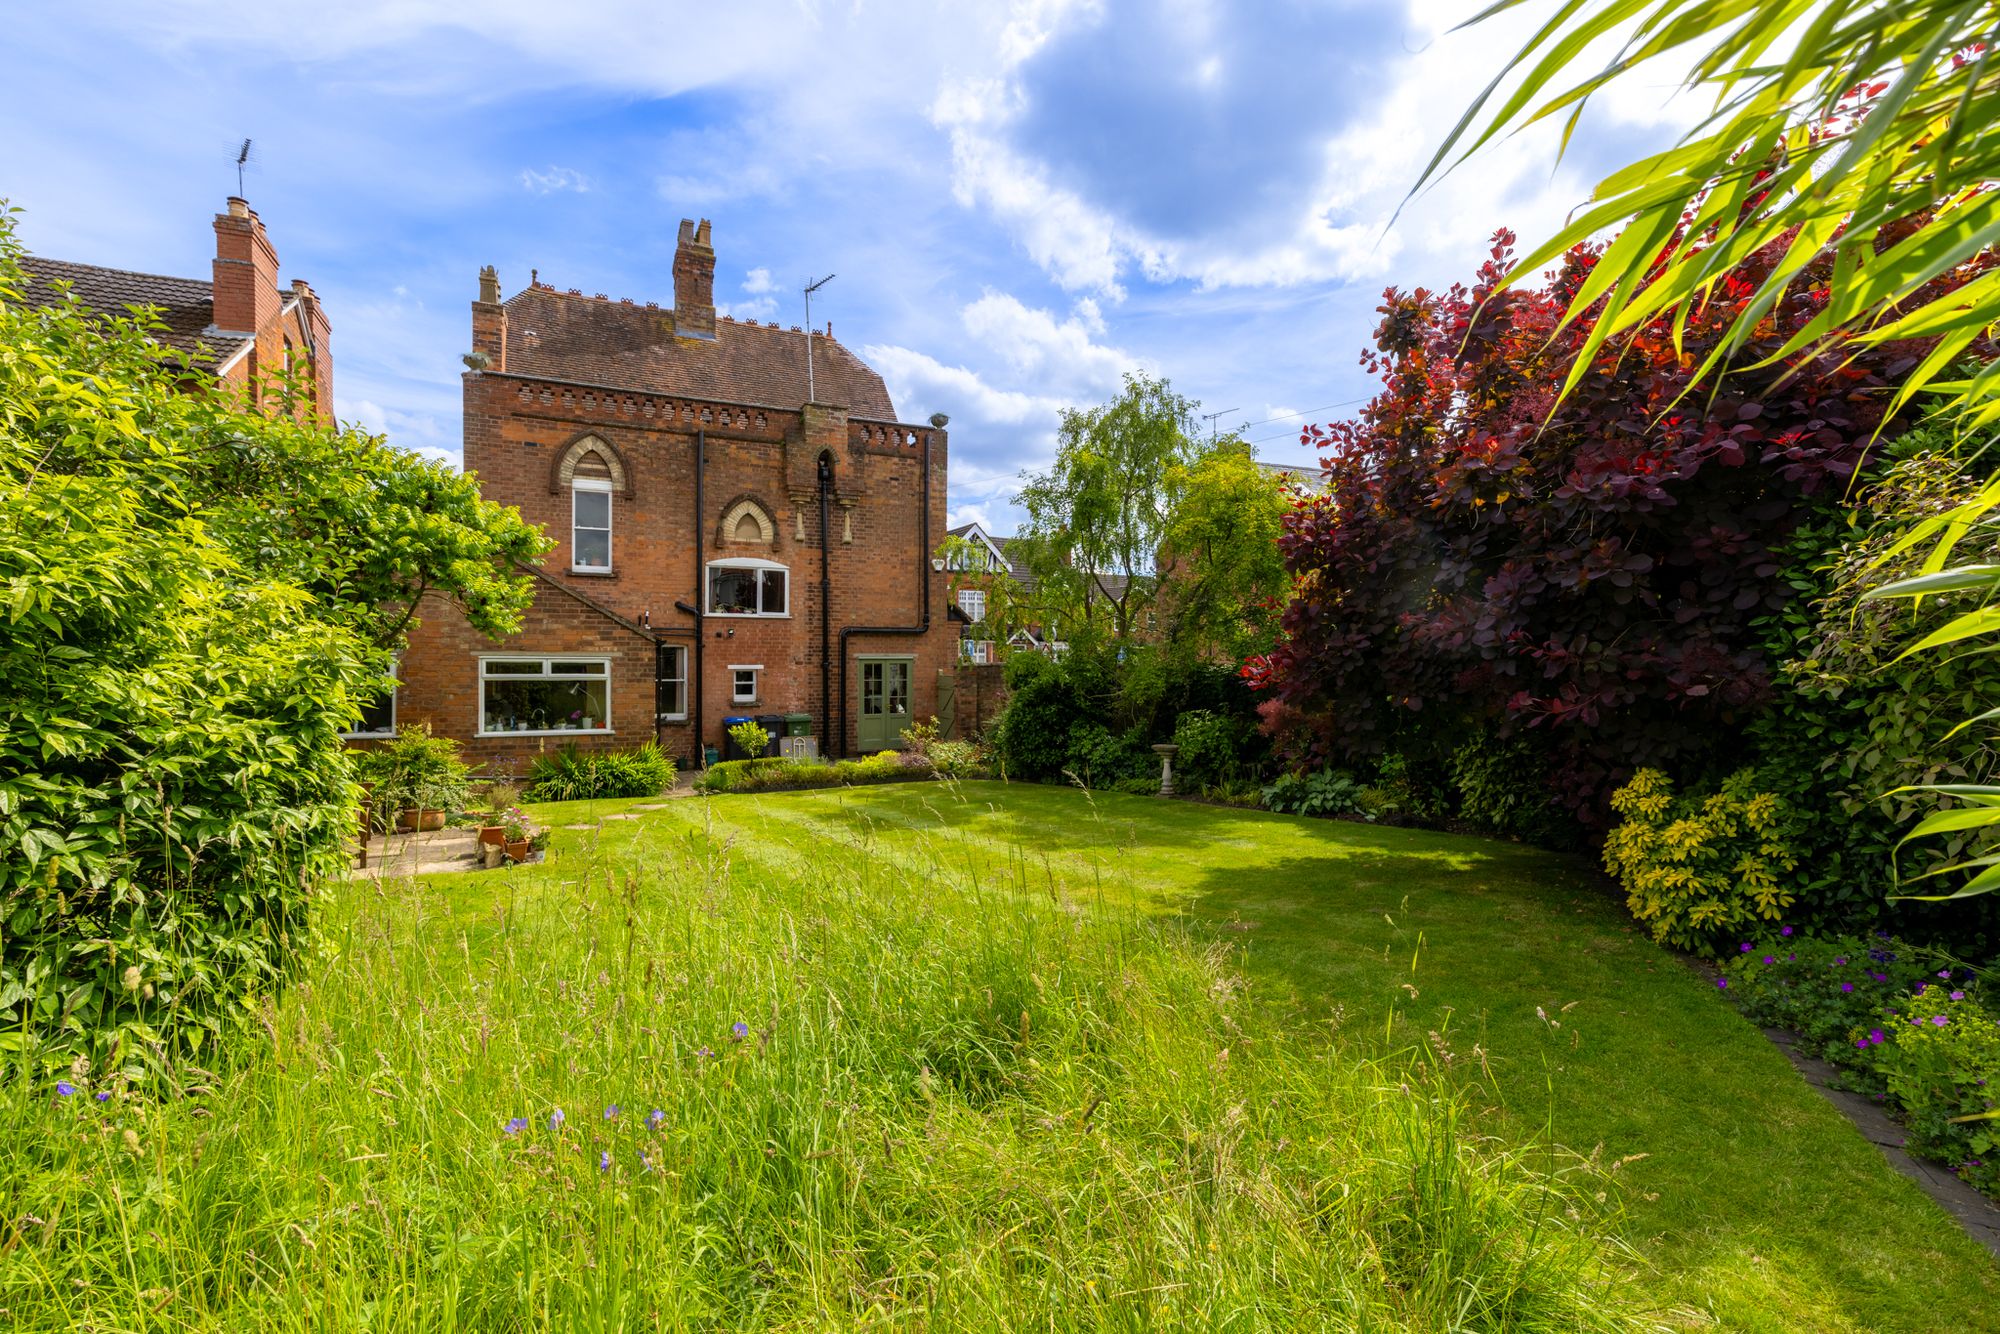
{"type": "Point", "coordinates": [544, 695]}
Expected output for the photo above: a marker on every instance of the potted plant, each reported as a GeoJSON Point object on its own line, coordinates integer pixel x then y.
{"type": "Point", "coordinates": [519, 845]}
{"type": "Point", "coordinates": [500, 799]}
{"type": "Point", "coordinates": [418, 777]}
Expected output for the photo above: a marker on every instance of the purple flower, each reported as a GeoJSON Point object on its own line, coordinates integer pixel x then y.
{"type": "Point", "coordinates": [1769, 959]}
{"type": "Point", "coordinates": [1784, 931]}
{"type": "Point", "coordinates": [64, 1088]}
{"type": "Point", "coordinates": [515, 1126]}
{"type": "Point", "coordinates": [1879, 977]}
{"type": "Point", "coordinates": [1722, 983]}
{"type": "Point", "coordinates": [1875, 1037]}
{"type": "Point", "coordinates": [104, 1095]}
{"type": "Point", "coordinates": [1958, 995]}
{"type": "Point", "coordinates": [1840, 961]}
{"type": "Point", "coordinates": [604, 1161]}
{"type": "Point", "coordinates": [1790, 957]}
{"type": "Point", "coordinates": [556, 1119]}
{"type": "Point", "coordinates": [656, 1118]}
{"type": "Point", "coordinates": [645, 1163]}
{"type": "Point", "coordinates": [738, 1031]}
{"type": "Point", "coordinates": [611, 1112]}
{"type": "Point", "coordinates": [1945, 973]}
{"type": "Point", "coordinates": [1847, 986]}
{"type": "Point", "coordinates": [1939, 1020]}
{"type": "Point", "coordinates": [704, 1052]}
{"type": "Point", "coordinates": [1746, 947]}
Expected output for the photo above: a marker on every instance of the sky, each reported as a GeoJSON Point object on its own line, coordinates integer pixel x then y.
{"type": "Point", "coordinates": [1021, 200]}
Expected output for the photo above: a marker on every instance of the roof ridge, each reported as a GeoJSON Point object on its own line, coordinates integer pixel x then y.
{"type": "Point", "coordinates": [28, 261]}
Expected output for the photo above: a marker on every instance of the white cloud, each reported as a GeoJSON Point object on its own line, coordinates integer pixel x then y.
{"type": "Point", "coordinates": [554, 179]}
{"type": "Point", "coordinates": [760, 308]}
{"type": "Point", "coordinates": [759, 280]}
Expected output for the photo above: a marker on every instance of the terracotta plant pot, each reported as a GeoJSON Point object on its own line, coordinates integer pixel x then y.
{"type": "Point", "coordinates": [519, 851]}
{"type": "Point", "coordinates": [493, 833]}
{"type": "Point", "coordinates": [410, 820]}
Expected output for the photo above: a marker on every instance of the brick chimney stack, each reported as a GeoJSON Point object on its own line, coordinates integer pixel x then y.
{"type": "Point", "coordinates": [694, 282]}
{"type": "Point", "coordinates": [247, 300]}
{"type": "Point", "coordinates": [489, 321]}
{"type": "Point", "coordinates": [318, 352]}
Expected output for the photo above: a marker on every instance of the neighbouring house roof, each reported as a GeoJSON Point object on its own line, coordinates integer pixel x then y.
{"type": "Point", "coordinates": [624, 345]}
{"type": "Point", "coordinates": [1305, 476]}
{"type": "Point", "coordinates": [186, 306]}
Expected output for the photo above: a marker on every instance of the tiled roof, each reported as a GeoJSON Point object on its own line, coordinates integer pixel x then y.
{"type": "Point", "coordinates": [590, 340]}
{"type": "Point", "coordinates": [186, 305]}
{"type": "Point", "coordinates": [1307, 477]}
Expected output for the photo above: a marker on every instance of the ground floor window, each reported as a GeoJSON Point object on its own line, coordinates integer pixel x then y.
{"type": "Point", "coordinates": [673, 678]}
{"type": "Point", "coordinates": [544, 695]}
{"type": "Point", "coordinates": [378, 713]}
{"type": "Point", "coordinates": [743, 684]}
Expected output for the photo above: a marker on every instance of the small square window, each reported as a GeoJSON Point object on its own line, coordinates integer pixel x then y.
{"type": "Point", "coordinates": [744, 684]}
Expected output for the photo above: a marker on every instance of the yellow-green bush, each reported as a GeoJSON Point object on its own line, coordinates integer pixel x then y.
{"type": "Point", "coordinates": [1697, 869]}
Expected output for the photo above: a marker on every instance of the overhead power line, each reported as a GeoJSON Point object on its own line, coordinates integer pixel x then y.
{"type": "Point", "coordinates": [1303, 412]}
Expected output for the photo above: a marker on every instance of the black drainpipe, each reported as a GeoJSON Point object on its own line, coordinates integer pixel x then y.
{"type": "Point", "coordinates": [826, 601]}
{"type": "Point", "coordinates": [700, 587]}
{"type": "Point", "coordinates": [923, 624]}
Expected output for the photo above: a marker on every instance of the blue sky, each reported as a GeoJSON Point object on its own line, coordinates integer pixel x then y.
{"type": "Point", "coordinates": [1021, 200]}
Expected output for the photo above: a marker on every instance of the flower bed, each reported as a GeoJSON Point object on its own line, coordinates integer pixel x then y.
{"type": "Point", "coordinates": [1905, 1023]}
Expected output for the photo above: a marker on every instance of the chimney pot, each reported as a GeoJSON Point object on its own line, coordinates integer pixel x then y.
{"type": "Point", "coordinates": [694, 281]}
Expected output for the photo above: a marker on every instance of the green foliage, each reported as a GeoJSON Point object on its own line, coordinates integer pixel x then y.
{"type": "Point", "coordinates": [1873, 129]}
{"type": "Point", "coordinates": [416, 771]}
{"type": "Point", "coordinates": [1211, 748]}
{"type": "Point", "coordinates": [1939, 1058]}
{"type": "Point", "coordinates": [947, 759]}
{"type": "Point", "coordinates": [1502, 785]}
{"type": "Point", "coordinates": [751, 738]}
{"type": "Point", "coordinates": [1824, 988]}
{"type": "Point", "coordinates": [1330, 793]}
{"type": "Point", "coordinates": [1098, 757]}
{"type": "Point", "coordinates": [570, 774]}
{"type": "Point", "coordinates": [1031, 736]}
{"type": "Point", "coordinates": [172, 789]}
{"type": "Point", "coordinates": [1702, 869]}
{"type": "Point", "coordinates": [777, 774]}
{"type": "Point", "coordinates": [1222, 578]}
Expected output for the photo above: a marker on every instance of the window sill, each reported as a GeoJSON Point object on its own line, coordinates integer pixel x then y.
{"type": "Point", "coordinates": [673, 719]}
{"type": "Point", "coordinates": [746, 703]}
{"type": "Point", "coordinates": [367, 736]}
{"type": "Point", "coordinates": [555, 731]}
{"type": "Point", "coordinates": [751, 615]}
{"type": "Point", "coordinates": [593, 572]}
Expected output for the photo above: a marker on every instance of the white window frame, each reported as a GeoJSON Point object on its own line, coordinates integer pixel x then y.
{"type": "Point", "coordinates": [978, 596]}
{"type": "Point", "coordinates": [395, 689]}
{"type": "Point", "coordinates": [681, 680]}
{"type": "Point", "coordinates": [598, 486]}
{"type": "Point", "coordinates": [747, 563]}
{"type": "Point", "coordinates": [736, 695]}
{"type": "Point", "coordinates": [546, 660]}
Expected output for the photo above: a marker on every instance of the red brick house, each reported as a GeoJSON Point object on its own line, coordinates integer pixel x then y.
{"type": "Point", "coordinates": [237, 327]}
{"type": "Point", "coordinates": [740, 531]}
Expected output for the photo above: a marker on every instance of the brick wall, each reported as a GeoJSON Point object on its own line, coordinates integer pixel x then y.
{"type": "Point", "coordinates": [982, 691]}
{"type": "Point", "coordinates": [518, 431]}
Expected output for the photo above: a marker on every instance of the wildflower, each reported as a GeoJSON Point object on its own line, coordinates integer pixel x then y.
{"type": "Point", "coordinates": [1875, 1037]}
{"type": "Point", "coordinates": [1945, 973]}
{"type": "Point", "coordinates": [104, 1095]}
{"type": "Point", "coordinates": [1840, 961]}
{"type": "Point", "coordinates": [1861, 1043]}
{"type": "Point", "coordinates": [515, 1126]}
{"type": "Point", "coordinates": [738, 1031]}
{"type": "Point", "coordinates": [611, 1112]}
{"type": "Point", "coordinates": [64, 1088]}
{"type": "Point", "coordinates": [1769, 959]}
{"type": "Point", "coordinates": [604, 1161]}
{"type": "Point", "coordinates": [704, 1052]}
{"type": "Point", "coordinates": [1939, 1020]}
{"type": "Point", "coordinates": [1784, 931]}
{"type": "Point", "coordinates": [132, 977]}
{"type": "Point", "coordinates": [1790, 958]}
{"type": "Point", "coordinates": [131, 1139]}
{"type": "Point", "coordinates": [1958, 995]}
{"type": "Point", "coordinates": [1847, 986]}
{"type": "Point", "coordinates": [556, 1119]}
{"type": "Point", "coordinates": [1722, 984]}
{"type": "Point", "coordinates": [1879, 977]}
{"type": "Point", "coordinates": [655, 1118]}
{"type": "Point", "coordinates": [645, 1163]}
{"type": "Point", "coordinates": [1746, 947]}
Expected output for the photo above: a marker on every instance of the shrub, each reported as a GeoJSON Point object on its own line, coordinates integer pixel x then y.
{"type": "Point", "coordinates": [774, 774]}
{"type": "Point", "coordinates": [569, 774]}
{"type": "Point", "coordinates": [1031, 736]}
{"type": "Point", "coordinates": [1097, 758]}
{"type": "Point", "coordinates": [1327, 792]}
{"type": "Point", "coordinates": [1824, 988]}
{"type": "Point", "coordinates": [751, 738]}
{"type": "Point", "coordinates": [1210, 748]}
{"type": "Point", "coordinates": [416, 771]}
{"type": "Point", "coordinates": [1938, 1052]}
{"type": "Point", "coordinates": [948, 759]}
{"type": "Point", "coordinates": [1502, 786]}
{"type": "Point", "coordinates": [1701, 869]}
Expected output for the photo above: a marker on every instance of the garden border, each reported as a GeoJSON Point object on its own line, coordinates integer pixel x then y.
{"type": "Point", "coordinates": [1972, 1211]}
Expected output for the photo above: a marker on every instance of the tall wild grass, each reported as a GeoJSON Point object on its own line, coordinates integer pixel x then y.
{"type": "Point", "coordinates": [711, 1088]}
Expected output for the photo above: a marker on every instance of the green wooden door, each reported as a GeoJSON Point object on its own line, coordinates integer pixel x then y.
{"type": "Point", "coordinates": [885, 703]}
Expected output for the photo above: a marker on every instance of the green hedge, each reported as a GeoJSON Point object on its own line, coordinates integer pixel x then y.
{"type": "Point", "coordinates": [782, 775]}
{"type": "Point", "coordinates": [570, 774]}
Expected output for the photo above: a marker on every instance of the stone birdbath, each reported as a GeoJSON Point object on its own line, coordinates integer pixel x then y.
{"type": "Point", "coordinates": [1166, 754]}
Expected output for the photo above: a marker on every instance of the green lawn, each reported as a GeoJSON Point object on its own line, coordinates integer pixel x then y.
{"type": "Point", "coordinates": [1755, 1200]}
{"type": "Point", "coordinates": [1008, 1057]}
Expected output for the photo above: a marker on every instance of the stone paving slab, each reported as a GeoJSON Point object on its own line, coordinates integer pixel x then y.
{"type": "Point", "coordinates": [1979, 1216]}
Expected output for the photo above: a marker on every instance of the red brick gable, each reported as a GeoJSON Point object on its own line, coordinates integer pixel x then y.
{"type": "Point", "coordinates": [619, 344]}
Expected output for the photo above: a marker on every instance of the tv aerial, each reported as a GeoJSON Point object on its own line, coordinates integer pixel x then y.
{"type": "Point", "coordinates": [242, 161]}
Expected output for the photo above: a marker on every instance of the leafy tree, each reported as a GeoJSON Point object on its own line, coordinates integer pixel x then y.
{"type": "Point", "coordinates": [1830, 127]}
{"type": "Point", "coordinates": [189, 628]}
{"type": "Point", "coordinates": [968, 566]}
{"type": "Point", "coordinates": [1595, 565]}
{"type": "Point", "coordinates": [1097, 518]}
{"type": "Point", "coordinates": [1223, 581]}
